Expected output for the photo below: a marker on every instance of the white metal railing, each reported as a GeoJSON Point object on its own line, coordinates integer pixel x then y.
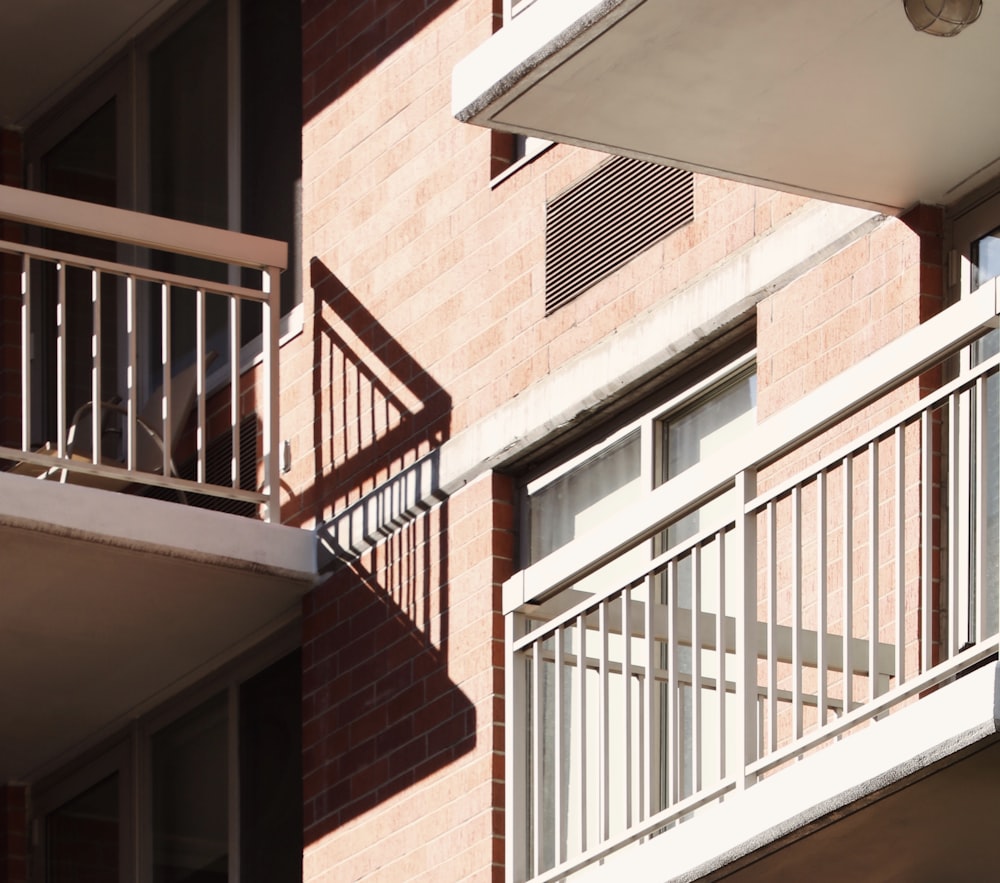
{"type": "Point", "coordinates": [839, 585]}
{"type": "Point", "coordinates": [114, 353]}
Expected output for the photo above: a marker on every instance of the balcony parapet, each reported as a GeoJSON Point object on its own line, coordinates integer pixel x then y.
{"type": "Point", "coordinates": [847, 567]}
{"type": "Point", "coordinates": [113, 303]}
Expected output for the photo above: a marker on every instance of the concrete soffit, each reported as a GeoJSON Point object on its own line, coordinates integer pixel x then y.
{"type": "Point", "coordinates": [633, 355]}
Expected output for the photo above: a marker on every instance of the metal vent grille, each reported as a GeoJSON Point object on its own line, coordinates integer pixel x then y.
{"type": "Point", "coordinates": [217, 459]}
{"type": "Point", "coordinates": [606, 219]}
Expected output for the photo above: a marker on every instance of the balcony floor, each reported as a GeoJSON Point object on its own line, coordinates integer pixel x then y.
{"type": "Point", "coordinates": [111, 602]}
{"type": "Point", "coordinates": [910, 798]}
{"type": "Point", "coordinates": [937, 826]}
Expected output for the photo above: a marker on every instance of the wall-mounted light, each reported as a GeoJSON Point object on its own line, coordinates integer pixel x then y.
{"type": "Point", "coordinates": [942, 18]}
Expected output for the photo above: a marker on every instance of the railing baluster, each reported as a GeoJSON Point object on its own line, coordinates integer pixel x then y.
{"type": "Point", "coordinates": [982, 490]}
{"type": "Point", "coordinates": [559, 702]}
{"type": "Point", "coordinates": [673, 689]}
{"type": "Point", "coordinates": [954, 519]}
{"type": "Point", "coordinates": [649, 689]}
{"type": "Point", "coordinates": [747, 701]}
{"type": "Point", "coordinates": [26, 339]}
{"type": "Point", "coordinates": [201, 431]}
{"type": "Point", "coordinates": [873, 566]}
{"type": "Point", "coordinates": [166, 366]}
{"type": "Point", "coordinates": [796, 503]}
{"type": "Point", "coordinates": [235, 336]}
{"type": "Point", "coordinates": [696, 669]}
{"type": "Point", "coordinates": [271, 318]}
{"type": "Point", "coordinates": [926, 542]}
{"type": "Point", "coordinates": [515, 753]}
{"type": "Point", "coordinates": [537, 741]}
{"type": "Point", "coordinates": [582, 721]}
{"type": "Point", "coordinates": [132, 374]}
{"type": "Point", "coordinates": [821, 599]}
{"type": "Point", "coordinates": [720, 654]}
{"type": "Point", "coordinates": [96, 417]}
{"type": "Point", "coordinates": [61, 360]}
{"type": "Point", "coordinates": [772, 614]}
{"type": "Point", "coordinates": [848, 572]}
{"type": "Point", "coordinates": [900, 562]}
{"type": "Point", "coordinates": [626, 602]}
{"type": "Point", "coordinates": [604, 724]}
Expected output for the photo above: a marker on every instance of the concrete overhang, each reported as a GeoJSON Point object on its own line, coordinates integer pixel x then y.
{"type": "Point", "coordinates": [910, 798]}
{"type": "Point", "coordinates": [109, 603]}
{"type": "Point", "coordinates": [844, 101]}
{"type": "Point", "coordinates": [46, 46]}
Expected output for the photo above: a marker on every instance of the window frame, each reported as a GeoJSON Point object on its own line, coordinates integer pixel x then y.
{"type": "Point", "coordinates": [126, 77]}
{"type": "Point", "coordinates": [128, 752]}
{"type": "Point", "coordinates": [676, 403]}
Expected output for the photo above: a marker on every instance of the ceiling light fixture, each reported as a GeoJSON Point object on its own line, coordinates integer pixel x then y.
{"type": "Point", "coordinates": [942, 18]}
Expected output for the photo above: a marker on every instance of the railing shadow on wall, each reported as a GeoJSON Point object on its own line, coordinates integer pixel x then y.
{"type": "Point", "coordinates": [380, 710]}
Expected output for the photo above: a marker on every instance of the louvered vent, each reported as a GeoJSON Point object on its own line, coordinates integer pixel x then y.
{"type": "Point", "coordinates": [217, 459]}
{"type": "Point", "coordinates": [605, 220]}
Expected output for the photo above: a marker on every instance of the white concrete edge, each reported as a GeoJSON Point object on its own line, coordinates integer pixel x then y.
{"type": "Point", "coordinates": [157, 527]}
{"type": "Point", "coordinates": [955, 717]}
{"type": "Point", "coordinates": [634, 352]}
{"type": "Point", "coordinates": [529, 42]}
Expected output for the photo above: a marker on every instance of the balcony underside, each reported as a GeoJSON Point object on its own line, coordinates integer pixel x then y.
{"type": "Point", "coordinates": [912, 798]}
{"type": "Point", "coordinates": [111, 602]}
{"type": "Point", "coordinates": [840, 100]}
{"type": "Point", "coordinates": [48, 44]}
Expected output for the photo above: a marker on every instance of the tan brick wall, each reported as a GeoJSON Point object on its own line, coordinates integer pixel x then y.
{"type": "Point", "coordinates": [425, 287]}
{"type": "Point", "coordinates": [424, 312]}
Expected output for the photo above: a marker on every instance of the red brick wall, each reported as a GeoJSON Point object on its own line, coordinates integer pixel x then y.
{"type": "Point", "coordinates": [403, 698]}
{"type": "Point", "coordinates": [13, 834]}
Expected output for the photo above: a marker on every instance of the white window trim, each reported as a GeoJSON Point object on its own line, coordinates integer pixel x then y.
{"type": "Point", "coordinates": [645, 424]}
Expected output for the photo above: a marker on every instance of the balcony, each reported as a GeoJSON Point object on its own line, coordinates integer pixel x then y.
{"type": "Point", "coordinates": [138, 416]}
{"type": "Point", "coordinates": [844, 101]}
{"type": "Point", "coordinates": [807, 667]}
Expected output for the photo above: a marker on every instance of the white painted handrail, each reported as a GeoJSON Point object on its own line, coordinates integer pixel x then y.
{"type": "Point", "coordinates": [77, 316]}
{"type": "Point", "coordinates": [801, 611]}
{"type": "Point", "coordinates": [144, 231]}
{"type": "Point", "coordinates": [848, 392]}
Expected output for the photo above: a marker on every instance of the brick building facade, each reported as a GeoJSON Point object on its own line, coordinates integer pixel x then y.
{"type": "Point", "coordinates": [360, 692]}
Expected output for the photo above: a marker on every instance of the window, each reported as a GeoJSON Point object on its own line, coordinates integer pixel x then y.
{"type": "Point", "coordinates": [198, 120]}
{"type": "Point", "coordinates": [976, 236]}
{"type": "Point", "coordinates": [566, 503]}
{"type": "Point", "coordinates": [592, 487]}
{"type": "Point", "coordinates": [217, 798]}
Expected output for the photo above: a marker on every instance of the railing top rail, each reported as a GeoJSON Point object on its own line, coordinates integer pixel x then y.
{"type": "Point", "coordinates": [141, 274]}
{"type": "Point", "coordinates": [135, 228]}
{"type": "Point", "coordinates": [861, 384]}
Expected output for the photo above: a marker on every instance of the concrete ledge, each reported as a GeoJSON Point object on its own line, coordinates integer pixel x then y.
{"type": "Point", "coordinates": [156, 527]}
{"type": "Point", "coordinates": [839, 779]}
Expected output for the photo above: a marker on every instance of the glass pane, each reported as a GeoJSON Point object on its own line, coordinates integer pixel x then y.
{"type": "Point", "coordinates": [188, 164]}
{"type": "Point", "coordinates": [708, 426]}
{"type": "Point", "coordinates": [82, 837]}
{"type": "Point", "coordinates": [190, 797]}
{"type": "Point", "coordinates": [986, 259]}
{"type": "Point", "coordinates": [83, 165]}
{"type": "Point", "coordinates": [271, 774]}
{"type": "Point", "coordinates": [584, 497]}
